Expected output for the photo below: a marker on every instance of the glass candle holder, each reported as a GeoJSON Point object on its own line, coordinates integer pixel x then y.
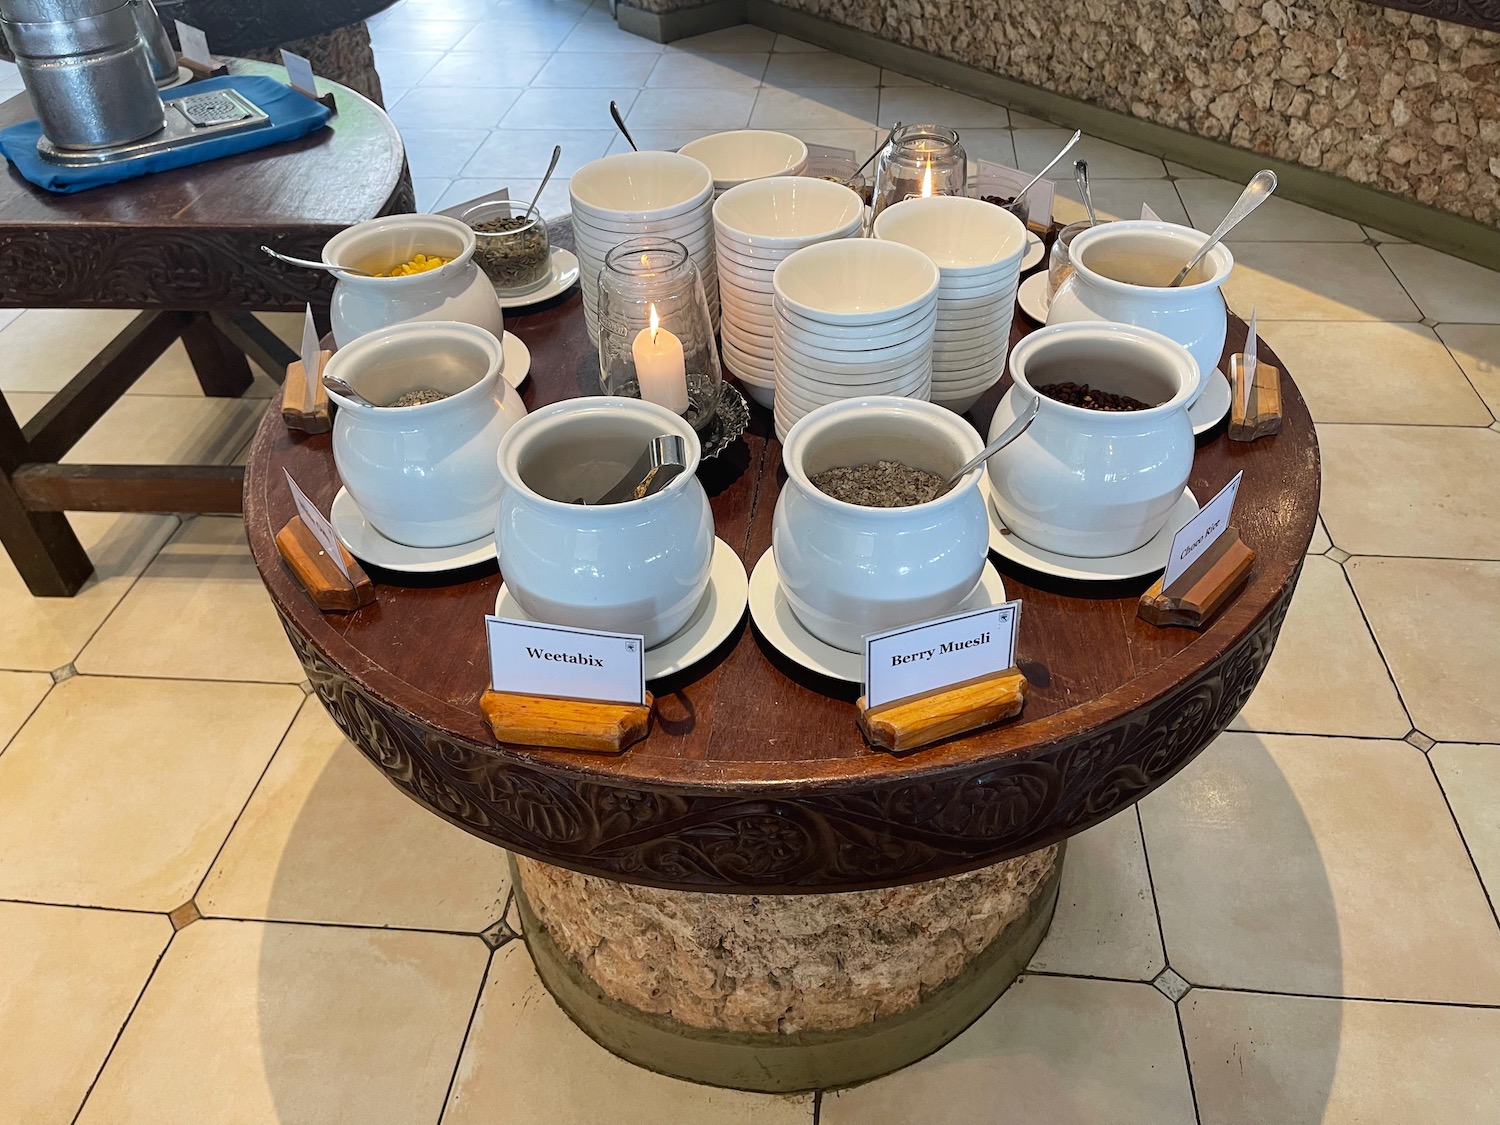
{"type": "Point", "coordinates": [656, 339]}
{"type": "Point", "coordinates": [510, 245]}
{"type": "Point", "coordinates": [920, 160]}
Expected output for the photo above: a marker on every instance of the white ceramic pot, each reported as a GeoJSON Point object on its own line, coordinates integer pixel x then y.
{"type": "Point", "coordinates": [637, 567]}
{"type": "Point", "coordinates": [458, 291]}
{"type": "Point", "coordinates": [1088, 482]}
{"type": "Point", "coordinates": [424, 475]}
{"type": "Point", "coordinates": [1120, 274]}
{"type": "Point", "coordinates": [848, 570]}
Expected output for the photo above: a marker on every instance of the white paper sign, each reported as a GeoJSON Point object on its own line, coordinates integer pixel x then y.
{"type": "Point", "coordinates": [819, 155]}
{"type": "Point", "coordinates": [997, 179]}
{"type": "Point", "coordinates": [530, 658]}
{"type": "Point", "coordinates": [935, 654]}
{"type": "Point", "coordinates": [1251, 348]}
{"type": "Point", "coordinates": [299, 73]}
{"type": "Point", "coordinates": [312, 356]}
{"type": "Point", "coordinates": [194, 44]}
{"type": "Point", "coordinates": [1200, 532]}
{"type": "Point", "coordinates": [316, 523]}
{"type": "Point", "coordinates": [1147, 213]}
{"type": "Point", "coordinates": [501, 196]}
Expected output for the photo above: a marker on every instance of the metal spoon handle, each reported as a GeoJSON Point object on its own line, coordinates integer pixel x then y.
{"type": "Point", "coordinates": [307, 263]}
{"type": "Point", "coordinates": [1073, 140]}
{"type": "Point", "coordinates": [1007, 435]}
{"type": "Point", "coordinates": [344, 390]}
{"type": "Point", "coordinates": [614, 111]}
{"type": "Point", "coordinates": [1256, 192]}
{"type": "Point", "coordinates": [1081, 174]}
{"type": "Point", "coordinates": [556, 156]}
{"type": "Point", "coordinates": [889, 137]}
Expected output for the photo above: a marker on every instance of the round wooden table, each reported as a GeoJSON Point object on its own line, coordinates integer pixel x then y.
{"type": "Point", "coordinates": [756, 781]}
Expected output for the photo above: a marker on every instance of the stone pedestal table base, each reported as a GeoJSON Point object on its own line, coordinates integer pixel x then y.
{"type": "Point", "coordinates": [783, 992]}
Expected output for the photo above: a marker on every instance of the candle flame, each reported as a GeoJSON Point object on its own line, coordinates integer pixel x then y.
{"type": "Point", "coordinates": [655, 322]}
{"type": "Point", "coordinates": [927, 182]}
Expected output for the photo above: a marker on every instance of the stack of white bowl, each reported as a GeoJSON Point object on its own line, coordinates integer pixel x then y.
{"type": "Point", "coordinates": [977, 248]}
{"type": "Point", "coordinates": [854, 318]}
{"type": "Point", "coordinates": [757, 225]}
{"type": "Point", "coordinates": [631, 194]}
{"type": "Point", "coordinates": [742, 155]}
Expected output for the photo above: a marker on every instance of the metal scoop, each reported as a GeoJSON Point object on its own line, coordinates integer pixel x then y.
{"type": "Point", "coordinates": [664, 460]}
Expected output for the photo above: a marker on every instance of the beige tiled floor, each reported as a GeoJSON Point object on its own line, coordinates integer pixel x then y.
{"type": "Point", "coordinates": [1312, 899]}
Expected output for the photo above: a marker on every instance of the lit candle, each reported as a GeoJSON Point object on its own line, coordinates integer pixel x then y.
{"type": "Point", "coordinates": [660, 366]}
{"type": "Point", "coordinates": [927, 181]}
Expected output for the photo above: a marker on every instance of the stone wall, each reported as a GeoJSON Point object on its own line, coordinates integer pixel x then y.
{"type": "Point", "coordinates": [1401, 102]}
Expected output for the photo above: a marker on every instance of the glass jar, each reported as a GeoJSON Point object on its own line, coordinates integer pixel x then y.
{"type": "Point", "coordinates": [510, 245]}
{"type": "Point", "coordinates": [656, 339]}
{"type": "Point", "coordinates": [1060, 264]}
{"type": "Point", "coordinates": [920, 160]}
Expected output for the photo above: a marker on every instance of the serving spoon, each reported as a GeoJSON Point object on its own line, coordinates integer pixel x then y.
{"type": "Point", "coordinates": [307, 263]}
{"type": "Point", "coordinates": [1007, 435]}
{"type": "Point", "coordinates": [556, 156]}
{"type": "Point", "coordinates": [889, 137]}
{"type": "Point", "coordinates": [1073, 140]}
{"type": "Point", "coordinates": [343, 389]}
{"type": "Point", "coordinates": [614, 111]}
{"type": "Point", "coordinates": [1256, 192]}
{"type": "Point", "coordinates": [1081, 174]}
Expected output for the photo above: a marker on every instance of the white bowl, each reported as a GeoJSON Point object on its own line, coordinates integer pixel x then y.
{"type": "Point", "coordinates": [848, 571]}
{"type": "Point", "coordinates": [956, 291]}
{"type": "Point", "coordinates": [750, 370]}
{"type": "Point", "coordinates": [760, 394]}
{"type": "Point", "coordinates": [851, 331]}
{"type": "Point", "coordinates": [1001, 304]}
{"type": "Point", "coordinates": [965, 237]}
{"type": "Point", "coordinates": [958, 403]}
{"type": "Point", "coordinates": [788, 211]}
{"type": "Point", "coordinates": [694, 221]}
{"type": "Point", "coordinates": [856, 281]}
{"type": "Point", "coordinates": [809, 385]}
{"type": "Point", "coordinates": [875, 342]}
{"type": "Point", "coordinates": [639, 186]}
{"type": "Point", "coordinates": [741, 155]}
{"type": "Point", "coordinates": [637, 567]}
{"type": "Point", "coordinates": [736, 254]}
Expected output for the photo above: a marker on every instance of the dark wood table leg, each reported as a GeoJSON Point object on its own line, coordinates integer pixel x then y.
{"type": "Point", "coordinates": [267, 350]}
{"type": "Point", "coordinates": [49, 557]}
{"type": "Point", "coordinates": [221, 367]}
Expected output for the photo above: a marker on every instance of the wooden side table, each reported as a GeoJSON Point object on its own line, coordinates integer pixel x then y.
{"type": "Point", "coordinates": [184, 247]}
{"type": "Point", "coordinates": [753, 897]}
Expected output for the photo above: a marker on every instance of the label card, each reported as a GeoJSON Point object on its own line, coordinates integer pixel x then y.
{"type": "Point", "coordinates": [1147, 213]}
{"type": "Point", "coordinates": [530, 658]}
{"type": "Point", "coordinates": [934, 654]}
{"type": "Point", "coordinates": [997, 179]}
{"type": "Point", "coordinates": [194, 44]}
{"type": "Point", "coordinates": [1251, 361]}
{"type": "Point", "coordinates": [299, 73]}
{"type": "Point", "coordinates": [501, 196]}
{"type": "Point", "coordinates": [316, 523]}
{"type": "Point", "coordinates": [311, 355]}
{"type": "Point", "coordinates": [1200, 532]}
{"type": "Point", "coordinates": [819, 155]}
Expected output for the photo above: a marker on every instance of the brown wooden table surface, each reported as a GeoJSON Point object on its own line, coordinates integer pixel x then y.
{"type": "Point", "coordinates": [184, 247]}
{"type": "Point", "coordinates": [756, 777]}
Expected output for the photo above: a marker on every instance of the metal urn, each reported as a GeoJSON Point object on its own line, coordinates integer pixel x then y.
{"type": "Point", "coordinates": [86, 68]}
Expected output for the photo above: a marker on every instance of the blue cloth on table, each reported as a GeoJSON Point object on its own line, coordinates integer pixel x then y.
{"type": "Point", "coordinates": [291, 115]}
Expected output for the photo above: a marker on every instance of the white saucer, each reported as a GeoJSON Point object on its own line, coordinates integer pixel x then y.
{"type": "Point", "coordinates": [368, 545]}
{"type": "Point", "coordinates": [517, 359]}
{"type": "Point", "coordinates": [715, 618]}
{"type": "Point", "coordinates": [564, 276]}
{"type": "Point", "coordinates": [1116, 568]}
{"type": "Point", "coordinates": [1032, 297]}
{"type": "Point", "coordinates": [778, 624]}
{"type": "Point", "coordinates": [1035, 251]}
{"type": "Point", "coordinates": [1212, 405]}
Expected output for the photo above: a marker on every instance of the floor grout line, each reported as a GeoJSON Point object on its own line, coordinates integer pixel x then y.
{"type": "Point", "coordinates": [458, 1060]}
{"type": "Point", "coordinates": [1463, 839]}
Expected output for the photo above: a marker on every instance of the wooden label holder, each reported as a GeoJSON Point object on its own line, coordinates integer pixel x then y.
{"type": "Point", "coordinates": [1203, 588]}
{"type": "Point", "coordinates": [200, 71]}
{"type": "Point", "coordinates": [1263, 417]}
{"type": "Point", "coordinates": [904, 725]}
{"type": "Point", "coordinates": [320, 419]}
{"type": "Point", "coordinates": [319, 575]}
{"type": "Point", "coordinates": [567, 724]}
